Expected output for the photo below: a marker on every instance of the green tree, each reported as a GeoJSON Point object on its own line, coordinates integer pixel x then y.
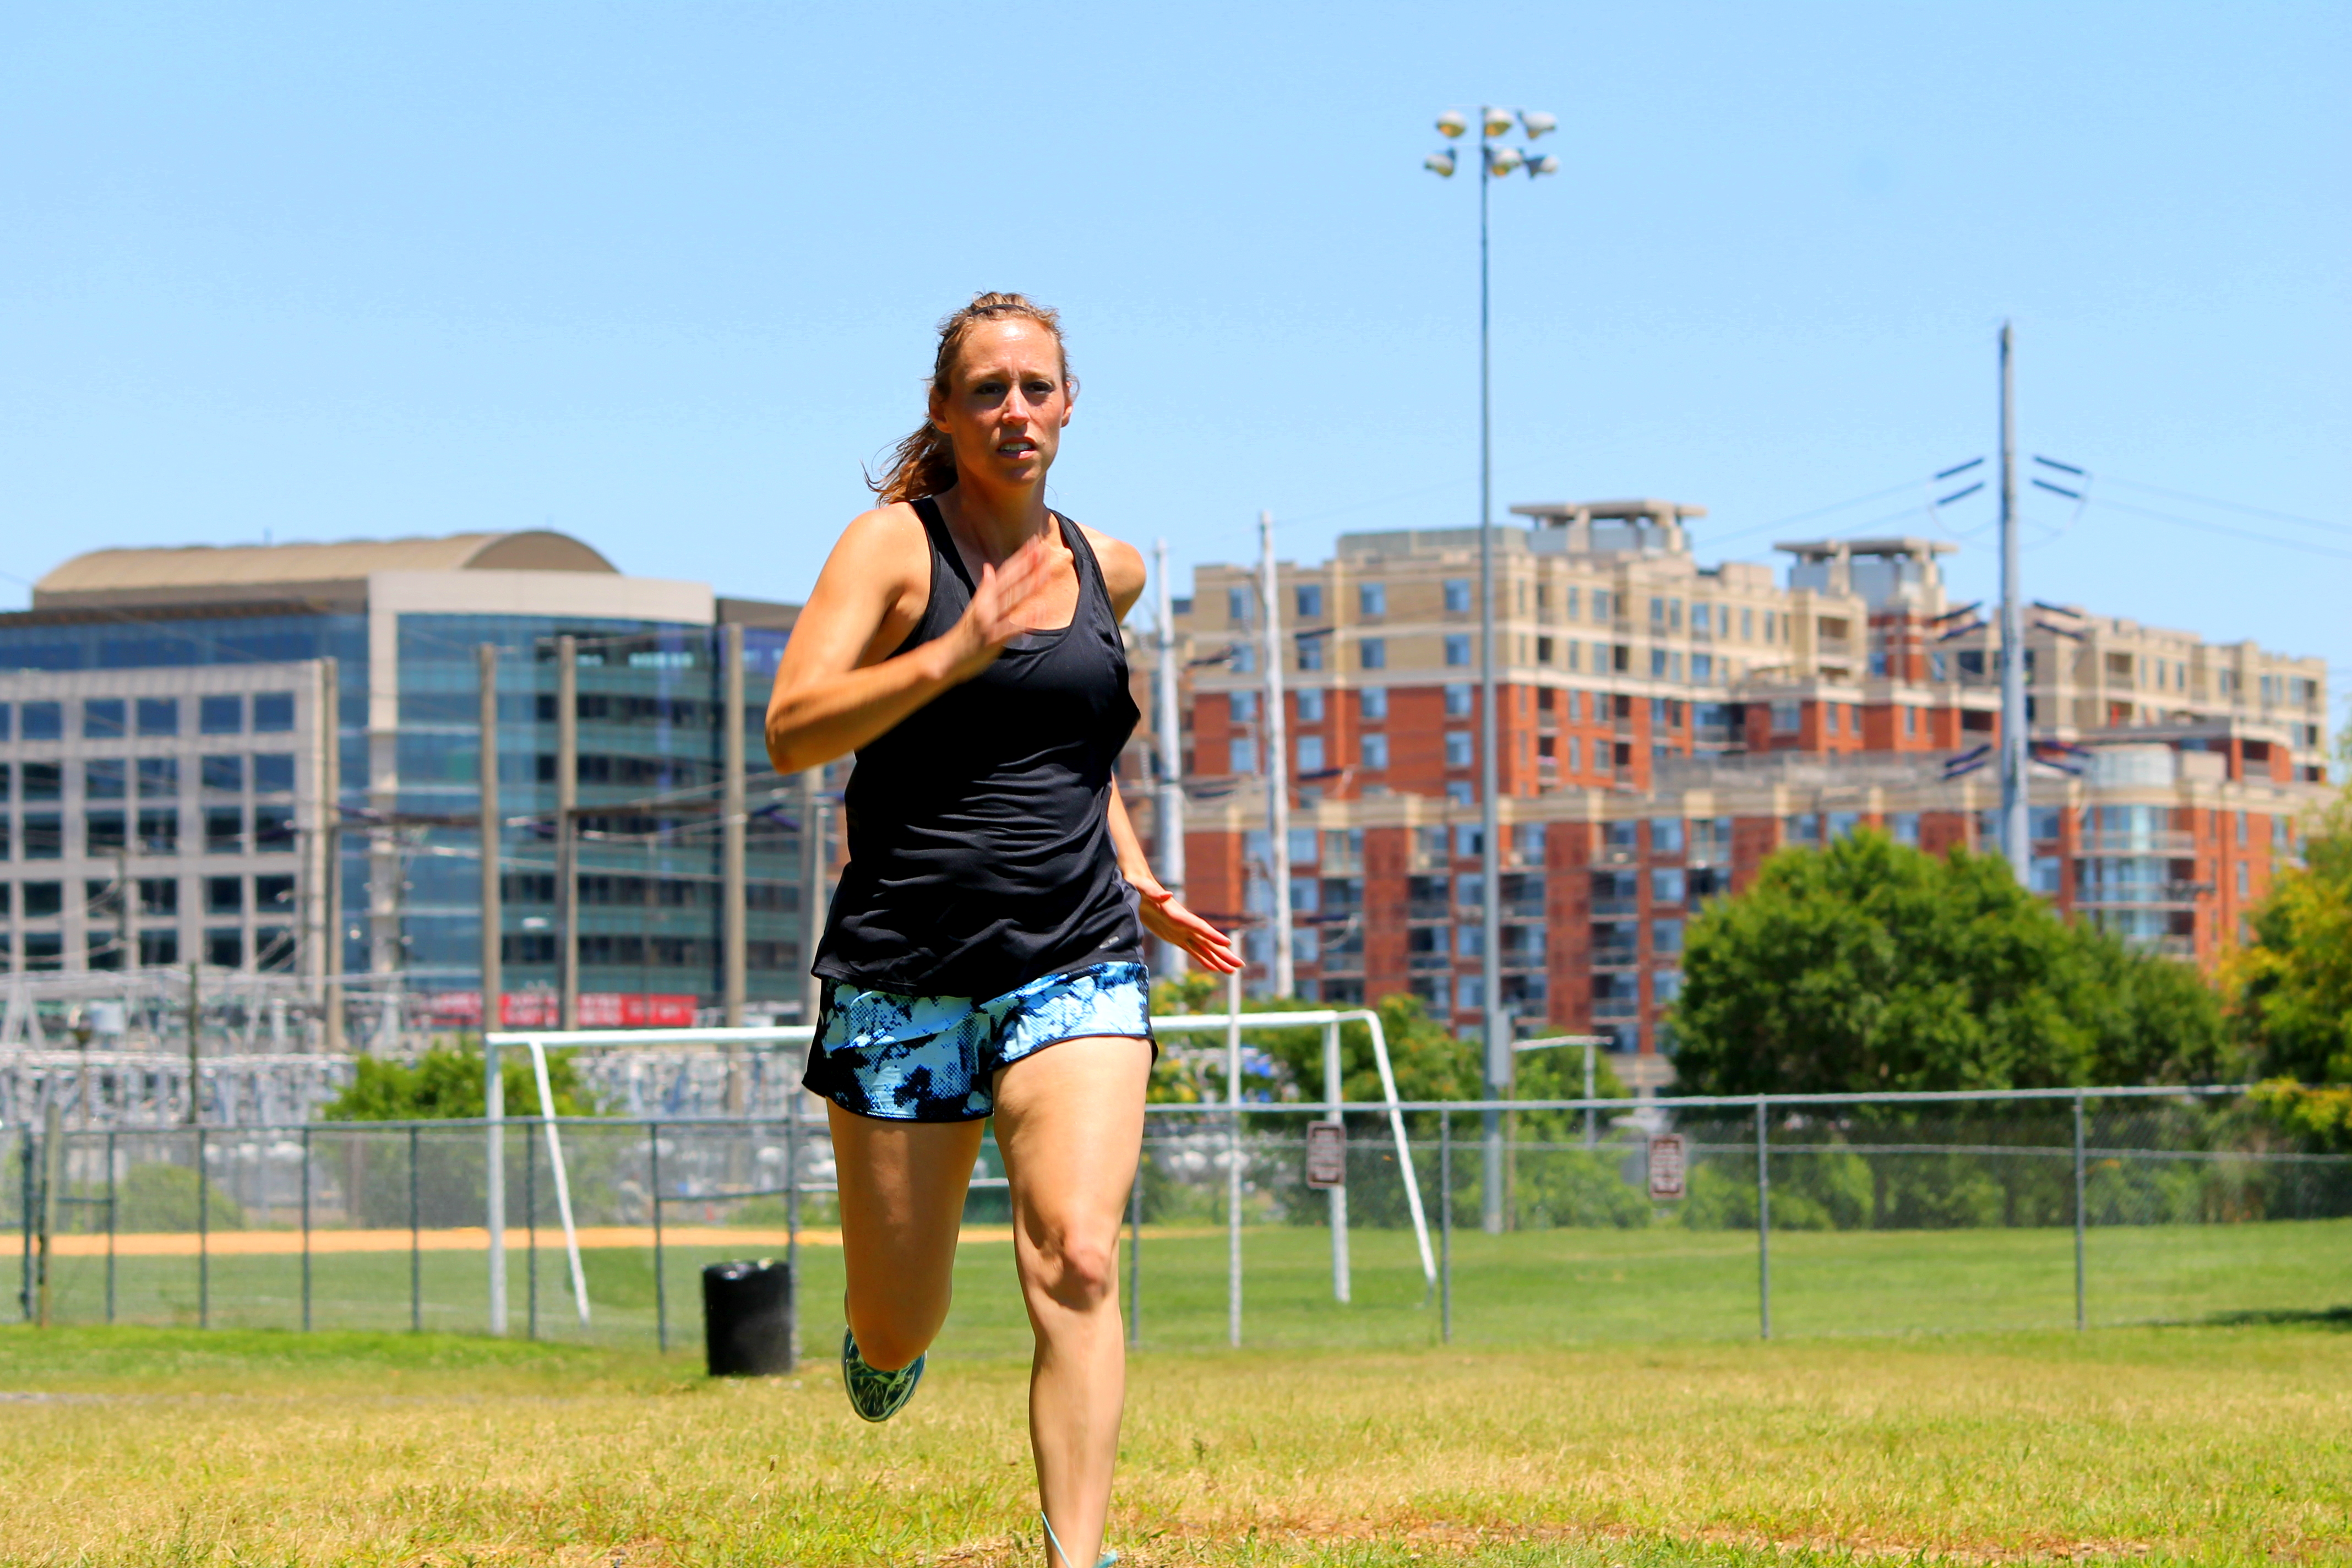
{"type": "Point", "coordinates": [1867, 965]}
{"type": "Point", "coordinates": [2289, 986]}
{"type": "Point", "coordinates": [447, 1084]}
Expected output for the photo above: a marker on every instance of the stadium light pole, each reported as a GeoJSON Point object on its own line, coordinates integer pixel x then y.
{"type": "Point", "coordinates": [1493, 160]}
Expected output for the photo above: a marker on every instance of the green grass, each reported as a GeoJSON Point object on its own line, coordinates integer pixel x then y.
{"type": "Point", "coordinates": [2174, 1445]}
{"type": "Point", "coordinates": [1551, 1286]}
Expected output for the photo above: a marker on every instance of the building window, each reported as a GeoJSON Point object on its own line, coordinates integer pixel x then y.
{"type": "Point", "coordinates": [1457, 749]}
{"type": "Point", "coordinates": [1702, 617]}
{"type": "Point", "coordinates": [1784, 718]}
{"type": "Point", "coordinates": [1244, 658]}
{"type": "Point", "coordinates": [159, 947]}
{"type": "Point", "coordinates": [1241, 755]}
{"type": "Point", "coordinates": [1458, 704]}
{"type": "Point", "coordinates": [2048, 875]}
{"type": "Point", "coordinates": [223, 895]}
{"type": "Point", "coordinates": [1575, 753]}
{"type": "Point", "coordinates": [1543, 651]}
{"type": "Point", "coordinates": [1458, 648]}
{"type": "Point", "coordinates": [1243, 706]}
{"type": "Point", "coordinates": [45, 950]}
{"type": "Point", "coordinates": [1310, 652]}
{"type": "Point", "coordinates": [1905, 825]}
{"type": "Point", "coordinates": [1372, 653]}
{"type": "Point", "coordinates": [105, 780]}
{"type": "Point", "coordinates": [273, 830]}
{"type": "Point", "coordinates": [44, 836]}
{"type": "Point", "coordinates": [1308, 597]}
{"type": "Point", "coordinates": [1666, 987]}
{"type": "Point", "coordinates": [1665, 937]}
{"type": "Point", "coordinates": [1238, 606]}
{"type": "Point", "coordinates": [1372, 598]}
{"type": "Point", "coordinates": [1374, 750]}
{"type": "Point", "coordinates": [273, 772]}
{"type": "Point", "coordinates": [1457, 595]}
{"type": "Point", "coordinates": [1805, 828]}
{"type": "Point", "coordinates": [44, 899]}
{"type": "Point", "coordinates": [102, 718]}
{"type": "Point", "coordinates": [159, 716]}
{"type": "Point", "coordinates": [222, 775]}
{"type": "Point", "coordinates": [1461, 792]}
{"type": "Point", "coordinates": [44, 721]}
{"type": "Point", "coordinates": [159, 895]}
{"type": "Point", "coordinates": [1658, 663]}
{"type": "Point", "coordinates": [1310, 753]}
{"type": "Point", "coordinates": [1665, 836]}
{"type": "Point", "coordinates": [1746, 623]}
{"type": "Point", "coordinates": [221, 715]}
{"type": "Point", "coordinates": [1310, 705]}
{"type": "Point", "coordinates": [224, 948]}
{"type": "Point", "coordinates": [1667, 885]}
{"type": "Point", "coordinates": [159, 778]}
{"type": "Point", "coordinates": [1843, 823]}
{"type": "Point", "coordinates": [225, 830]}
{"type": "Point", "coordinates": [1830, 718]}
{"type": "Point", "coordinates": [44, 781]}
{"type": "Point", "coordinates": [1702, 667]}
{"type": "Point", "coordinates": [1373, 702]}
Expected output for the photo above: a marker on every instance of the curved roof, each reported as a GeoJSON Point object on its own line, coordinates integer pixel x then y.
{"type": "Point", "coordinates": [206, 571]}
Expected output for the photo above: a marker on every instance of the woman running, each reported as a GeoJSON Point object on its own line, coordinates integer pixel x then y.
{"type": "Point", "coordinates": [963, 640]}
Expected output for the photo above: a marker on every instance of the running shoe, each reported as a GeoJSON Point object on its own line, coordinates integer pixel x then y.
{"type": "Point", "coordinates": [875, 1395]}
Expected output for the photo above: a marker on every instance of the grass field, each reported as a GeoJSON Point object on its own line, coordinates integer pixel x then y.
{"type": "Point", "coordinates": [2210, 1445]}
{"type": "Point", "coordinates": [1548, 1286]}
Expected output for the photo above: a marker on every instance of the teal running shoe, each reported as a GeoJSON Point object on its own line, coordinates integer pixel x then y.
{"type": "Point", "coordinates": [875, 1395]}
{"type": "Point", "coordinates": [1104, 1560]}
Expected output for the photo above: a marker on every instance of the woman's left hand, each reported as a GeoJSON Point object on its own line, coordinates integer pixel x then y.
{"type": "Point", "coordinates": [1170, 922]}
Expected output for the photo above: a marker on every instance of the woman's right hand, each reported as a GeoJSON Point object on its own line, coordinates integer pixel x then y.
{"type": "Point", "coordinates": [1008, 601]}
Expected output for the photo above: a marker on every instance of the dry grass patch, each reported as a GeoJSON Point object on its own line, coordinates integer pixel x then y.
{"type": "Point", "coordinates": [2206, 1445]}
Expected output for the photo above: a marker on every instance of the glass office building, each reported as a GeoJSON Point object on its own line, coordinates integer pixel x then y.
{"type": "Point", "coordinates": [402, 622]}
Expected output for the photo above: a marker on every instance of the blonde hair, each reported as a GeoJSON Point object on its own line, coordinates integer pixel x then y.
{"type": "Point", "coordinates": [924, 463]}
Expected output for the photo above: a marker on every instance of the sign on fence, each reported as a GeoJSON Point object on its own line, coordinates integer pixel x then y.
{"type": "Point", "coordinates": [1667, 1162]}
{"type": "Point", "coordinates": [1327, 1154]}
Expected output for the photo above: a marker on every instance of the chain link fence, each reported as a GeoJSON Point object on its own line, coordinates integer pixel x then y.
{"type": "Point", "coordinates": [1790, 1217]}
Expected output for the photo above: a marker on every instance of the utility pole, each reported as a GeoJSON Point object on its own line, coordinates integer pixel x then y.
{"type": "Point", "coordinates": [494, 1203]}
{"type": "Point", "coordinates": [195, 1049]}
{"type": "Point", "coordinates": [813, 899]}
{"type": "Point", "coordinates": [731, 943]}
{"type": "Point", "coordinates": [1277, 761]}
{"type": "Point", "coordinates": [1170, 817]}
{"type": "Point", "coordinates": [567, 828]}
{"type": "Point", "coordinates": [2016, 832]}
{"type": "Point", "coordinates": [330, 851]}
{"type": "Point", "coordinates": [1490, 860]}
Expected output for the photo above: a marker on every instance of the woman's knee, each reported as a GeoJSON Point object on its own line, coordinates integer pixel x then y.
{"type": "Point", "coordinates": [889, 1335]}
{"type": "Point", "coordinates": [1076, 1267]}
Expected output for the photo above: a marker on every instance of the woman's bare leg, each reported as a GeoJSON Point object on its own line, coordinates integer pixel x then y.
{"type": "Point", "coordinates": [902, 1188]}
{"type": "Point", "coordinates": [1069, 1120]}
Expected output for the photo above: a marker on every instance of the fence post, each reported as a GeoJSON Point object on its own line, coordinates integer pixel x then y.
{"type": "Point", "coordinates": [203, 1233]}
{"type": "Point", "coordinates": [1333, 1098]}
{"type": "Point", "coordinates": [531, 1231]}
{"type": "Point", "coordinates": [1445, 1227]}
{"type": "Point", "coordinates": [2080, 1321]}
{"type": "Point", "coordinates": [1233, 1157]}
{"type": "Point", "coordinates": [25, 1213]}
{"type": "Point", "coordinates": [793, 1092]}
{"type": "Point", "coordinates": [112, 1190]}
{"type": "Point", "coordinates": [653, 1181]}
{"type": "Point", "coordinates": [306, 1227]}
{"type": "Point", "coordinates": [1763, 1224]}
{"type": "Point", "coordinates": [415, 1244]}
{"type": "Point", "coordinates": [1135, 1254]}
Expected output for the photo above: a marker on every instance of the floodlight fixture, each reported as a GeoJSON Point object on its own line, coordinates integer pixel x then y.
{"type": "Point", "coordinates": [1536, 122]}
{"type": "Point", "coordinates": [1440, 164]}
{"type": "Point", "coordinates": [1504, 160]}
{"type": "Point", "coordinates": [1451, 123]}
{"type": "Point", "coordinates": [1543, 163]}
{"type": "Point", "coordinates": [1497, 121]}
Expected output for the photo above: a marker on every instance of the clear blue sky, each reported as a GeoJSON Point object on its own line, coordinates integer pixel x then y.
{"type": "Point", "coordinates": [664, 276]}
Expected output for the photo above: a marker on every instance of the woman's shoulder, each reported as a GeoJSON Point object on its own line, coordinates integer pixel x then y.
{"type": "Point", "coordinates": [1122, 564]}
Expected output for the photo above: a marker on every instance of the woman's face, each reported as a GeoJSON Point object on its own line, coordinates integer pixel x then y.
{"type": "Point", "coordinates": [1007, 402]}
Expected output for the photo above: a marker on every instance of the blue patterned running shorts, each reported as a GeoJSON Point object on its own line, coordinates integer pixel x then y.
{"type": "Point", "coordinates": [933, 1058]}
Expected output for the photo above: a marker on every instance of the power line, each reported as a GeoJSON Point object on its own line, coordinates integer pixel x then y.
{"type": "Point", "coordinates": [2225, 527]}
{"type": "Point", "coordinates": [2230, 505]}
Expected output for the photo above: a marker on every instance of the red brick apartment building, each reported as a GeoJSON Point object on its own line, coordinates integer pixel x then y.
{"type": "Point", "coordinates": [1664, 726]}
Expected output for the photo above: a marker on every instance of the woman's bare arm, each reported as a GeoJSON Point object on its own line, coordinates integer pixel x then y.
{"type": "Point", "coordinates": [839, 687]}
{"type": "Point", "coordinates": [1163, 916]}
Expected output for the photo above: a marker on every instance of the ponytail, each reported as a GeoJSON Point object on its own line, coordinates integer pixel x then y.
{"type": "Point", "coordinates": [924, 463]}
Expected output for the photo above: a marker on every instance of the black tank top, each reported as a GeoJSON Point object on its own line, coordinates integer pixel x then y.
{"type": "Point", "coordinates": [979, 851]}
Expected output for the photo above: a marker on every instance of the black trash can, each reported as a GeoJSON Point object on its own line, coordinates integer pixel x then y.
{"type": "Point", "coordinates": [747, 1318]}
